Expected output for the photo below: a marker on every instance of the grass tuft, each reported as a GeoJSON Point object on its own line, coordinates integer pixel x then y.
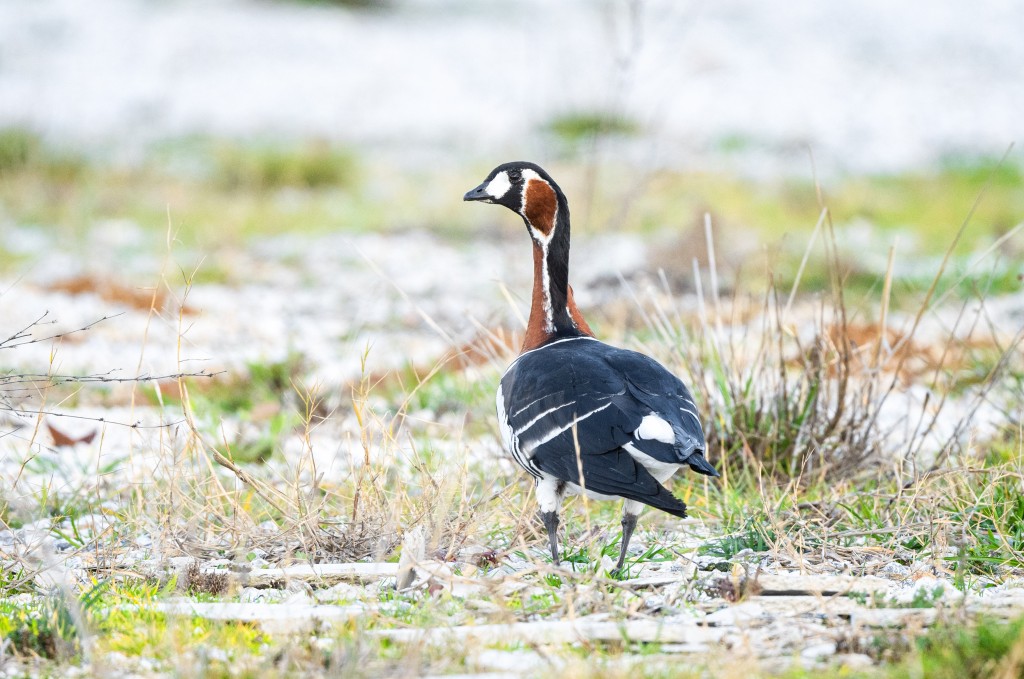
{"type": "Point", "coordinates": [988, 648]}
{"type": "Point", "coordinates": [582, 126]}
{"type": "Point", "coordinates": [23, 151]}
{"type": "Point", "coordinates": [316, 165]}
{"type": "Point", "coordinates": [797, 387]}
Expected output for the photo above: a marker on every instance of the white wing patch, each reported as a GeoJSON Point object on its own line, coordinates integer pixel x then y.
{"type": "Point", "coordinates": [654, 428]}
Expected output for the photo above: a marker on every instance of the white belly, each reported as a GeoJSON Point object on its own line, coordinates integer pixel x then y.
{"type": "Point", "coordinates": [662, 471]}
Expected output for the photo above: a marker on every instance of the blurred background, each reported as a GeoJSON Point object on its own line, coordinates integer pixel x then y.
{"type": "Point", "coordinates": [271, 190]}
{"type": "Point", "coordinates": [742, 85]}
{"type": "Point", "coordinates": [266, 136]}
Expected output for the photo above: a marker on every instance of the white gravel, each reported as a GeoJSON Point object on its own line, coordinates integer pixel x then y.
{"type": "Point", "coordinates": [405, 297]}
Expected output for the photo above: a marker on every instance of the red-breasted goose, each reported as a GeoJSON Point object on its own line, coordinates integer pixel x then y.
{"type": "Point", "coordinates": [632, 422]}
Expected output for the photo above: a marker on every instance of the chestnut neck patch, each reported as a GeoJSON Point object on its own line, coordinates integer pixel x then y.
{"type": "Point", "coordinates": [539, 206]}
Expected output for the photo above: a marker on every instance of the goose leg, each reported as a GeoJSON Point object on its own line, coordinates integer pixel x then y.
{"type": "Point", "coordinates": [630, 513]}
{"type": "Point", "coordinates": [551, 523]}
{"type": "Point", "coordinates": [550, 492]}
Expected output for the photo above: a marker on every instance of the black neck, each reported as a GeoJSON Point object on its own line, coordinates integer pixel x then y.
{"type": "Point", "coordinates": [556, 263]}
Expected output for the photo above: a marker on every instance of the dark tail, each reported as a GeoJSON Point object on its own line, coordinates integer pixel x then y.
{"type": "Point", "coordinates": [662, 498]}
{"type": "Point", "coordinates": [666, 502]}
{"type": "Point", "coordinates": [701, 466]}
{"type": "Point", "coordinates": [613, 473]}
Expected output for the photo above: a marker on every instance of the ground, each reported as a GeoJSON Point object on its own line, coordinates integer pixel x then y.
{"type": "Point", "coordinates": [238, 453]}
{"type": "Point", "coordinates": [250, 336]}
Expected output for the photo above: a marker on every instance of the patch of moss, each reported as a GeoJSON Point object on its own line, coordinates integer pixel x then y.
{"type": "Point", "coordinates": [989, 647]}
{"type": "Point", "coordinates": [582, 125]}
{"type": "Point", "coordinates": [315, 165]}
{"type": "Point", "coordinates": [22, 150]}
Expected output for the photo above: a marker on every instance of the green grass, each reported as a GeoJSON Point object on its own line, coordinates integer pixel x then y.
{"type": "Point", "coordinates": [44, 627]}
{"type": "Point", "coordinates": [217, 193]}
{"type": "Point", "coordinates": [23, 152]}
{"type": "Point", "coordinates": [751, 535]}
{"type": "Point", "coordinates": [119, 618]}
{"type": "Point", "coordinates": [984, 649]}
{"type": "Point", "coordinates": [267, 394]}
{"type": "Point", "coordinates": [927, 206]}
{"type": "Point", "coordinates": [767, 223]}
{"type": "Point", "coordinates": [209, 193]}
{"type": "Point", "coordinates": [953, 648]}
{"type": "Point", "coordinates": [582, 126]}
{"type": "Point", "coordinates": [977, 510]}
{"type": "Point", "coordinates": [400, 473]}
{"type": "Point", "coordinates": [262, 168]}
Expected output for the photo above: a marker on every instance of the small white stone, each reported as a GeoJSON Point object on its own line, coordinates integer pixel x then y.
{"type": "Point", "coordinates": [510, 661]}
{"type": "Point", "coordinates": [896, 568]}
{"type": "Point", "coordinates": [820, 650]}
{"type": "Point", "coordinates": [740, 614]}
{"type": "Point", "coordinates": [853, 661]}
{"type": "Point", "coordinates": [256, 595]}
{"type": "Point", "coordinates": [342, 591]}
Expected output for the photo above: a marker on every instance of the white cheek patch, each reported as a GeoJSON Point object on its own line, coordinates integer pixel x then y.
{"type": "Point", "coordinates": [654, 428]}
{"type": "Point", "coordinates": [498, 186]}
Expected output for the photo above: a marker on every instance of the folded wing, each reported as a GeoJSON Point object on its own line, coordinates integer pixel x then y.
{"type": "Point", "coordinates": [619, 409]}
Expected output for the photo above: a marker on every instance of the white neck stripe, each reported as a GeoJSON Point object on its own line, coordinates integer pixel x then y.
{"type": "Point", "coordinates": [544, 241]}
{"type": "Point", "coordinates": [549, 312]}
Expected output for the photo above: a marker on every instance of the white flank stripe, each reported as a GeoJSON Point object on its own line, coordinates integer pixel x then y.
{"type": "Point", "coordinates": [519, 432]}
{"type": "Point", "coordinates": [533, 445]}
{"type": "Point", "coordinates": [510, 439]}
{"type": "Point", "coordinates": [507, 437]}
{"type": "Point", "coordinates": [529, 405]}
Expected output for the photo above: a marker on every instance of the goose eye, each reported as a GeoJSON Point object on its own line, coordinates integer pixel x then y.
{"type": "Point", "coordinates": [515, 175]}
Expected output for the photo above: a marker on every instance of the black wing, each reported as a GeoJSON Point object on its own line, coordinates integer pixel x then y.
{"type": "Point", "coordinates": [614, 472]}
{"type": "Point", "coordinates": [663, 394]}
{"type": "Point", "coordinates": [586, 395]}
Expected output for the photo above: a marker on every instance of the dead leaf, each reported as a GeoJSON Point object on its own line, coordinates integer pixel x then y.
{"type": "Point", "coordinates": [140, 298]}
{"type": "Point", "coordinates": [62, 440]}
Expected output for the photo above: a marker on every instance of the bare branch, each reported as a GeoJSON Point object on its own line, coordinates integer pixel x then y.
{"type": "Point", "coordinates": [15, 340]}
{"type": "Point", "coordinates": [17, 386]}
